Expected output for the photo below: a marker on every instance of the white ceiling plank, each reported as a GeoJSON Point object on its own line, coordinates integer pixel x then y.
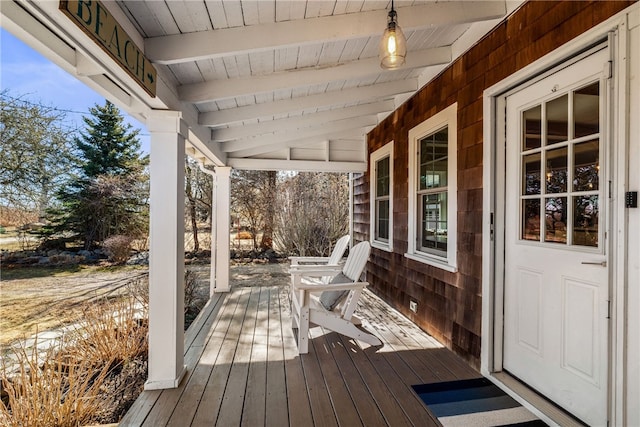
{"type": "Point", "coordinates": [292, 135]}
{"type": "Point", "coordinates": [250, 13]}
{"type": "Point", "coordinates": [220, 89]}
{"type": "Point", "coordinates": [145, 21]}
{"type": "Point", "coordinates": [233, 12]}
{"type": "Point", "coordinates": [301, 122]}
{"type": "Point", "coordinates": [355, 6]}
{"type": "Point", "coordinates": [297, 165]}
{"type": "Point", "coordinates": [231, 41]}
{"type": "Point", "coordinates": [187, 73]}
{"type": "Point", "coordinates": [332, 52]}
{"type": "Point", "coordinates": [286, 59]}
{"type": "Point", "coordinates": [164, 17]}
{"type": "Point", "coordinates": [308, 55]}
{"type": "Point", "coordinates": [340, 7]}
{"type": "Point", "coordinates": [216, 14]}
{"type": "Point", "coordinates": [385, 90]}
{"type": "Point", "coordinates": [190, 16]}
{"type": "Point", "coordinates": [267, 11]}
{"type": "Point", "coordinates": [317, 8]}
{"type": "Point", "coordinates": [212, 69]}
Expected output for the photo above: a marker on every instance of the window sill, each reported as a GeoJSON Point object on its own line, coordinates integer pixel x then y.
{"type": "Point", "coordinates": [433, 262]}
{"type": "Point", "coordinates": [382, 246]}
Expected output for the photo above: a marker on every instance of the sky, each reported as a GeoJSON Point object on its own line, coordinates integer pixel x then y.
{"type": "Point", "coordinates": [50, 85]}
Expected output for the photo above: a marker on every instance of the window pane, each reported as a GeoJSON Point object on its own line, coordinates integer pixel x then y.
{"type": "Point", "coordinates": [586, 110]}
{"type": "Point", "coordinates": [556, 220]}
{"type": "Point", "coordinates": [531, 168]}
{"type": "Point", "coordinates": [585, 228]}
{"type": "Point", "coordinates": [382, 216]}
{"type": "Point", "coordinates": [434, 160]}
{"type": "Point", "coordinates": [532, 128]}
{"type": "Point", "coordinates": [556, 170]}
{"type": "Point", "coordinates": [558, 120]}
{"type": "Point", "coordinates": [433, 234]}
{"type": "Point", "coordinates": [531, 219]}
{"type": "Point", "coordinates": [382, 177]}
{"type": "Point", "coordinates": [586, 166]}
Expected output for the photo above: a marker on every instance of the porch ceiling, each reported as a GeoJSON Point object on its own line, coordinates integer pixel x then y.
{"type": "Point", "coordinates": [265, 84]}
{"type": "Point", "coordinates": [297, 84]}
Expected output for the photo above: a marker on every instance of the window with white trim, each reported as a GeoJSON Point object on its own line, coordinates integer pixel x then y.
{"type": "Point", "coordinates": [381, 190]}
{"type": "Point", "coordinates": [433, 190]}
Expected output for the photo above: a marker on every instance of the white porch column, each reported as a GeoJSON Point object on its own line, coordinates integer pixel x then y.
{"type": "Point", "coordinates": [222, 215]}
{"type": "Point", "coordinates": [166, 257]}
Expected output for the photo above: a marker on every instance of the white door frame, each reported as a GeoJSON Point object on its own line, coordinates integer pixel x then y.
{"type": "Point", "coordinates": [615, 29]}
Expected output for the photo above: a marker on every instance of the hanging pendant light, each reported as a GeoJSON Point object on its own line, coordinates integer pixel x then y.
{"type": "Point", "coordinates": [393, 46]}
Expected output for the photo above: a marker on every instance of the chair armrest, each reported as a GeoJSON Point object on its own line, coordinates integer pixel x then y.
{"type": "Point", "coordinates": [315, 270]}
{"type": "Point", "coordinates": [310, 259]}
{"type": "Point", "coordinates": [332, 287]}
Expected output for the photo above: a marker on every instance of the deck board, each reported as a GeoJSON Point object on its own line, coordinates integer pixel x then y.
{"type": "Point", "coordinates": [243, 368]}
{"type": "Point", "coordinates": [276, 400]}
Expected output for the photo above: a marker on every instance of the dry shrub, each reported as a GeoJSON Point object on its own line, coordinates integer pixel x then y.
{"type": "Point", "coordinates": [190, 290]}
{"type": "Point", "coordinates": [118, 247]}
{"type": "Point", "coordinates": [244, 235]}
{"type": "Point", "coordinates": [86, 377]}
{"type": "Point", "coordinates": [111, 332]}
{"type": "Point", "coordinates": [48, 390]}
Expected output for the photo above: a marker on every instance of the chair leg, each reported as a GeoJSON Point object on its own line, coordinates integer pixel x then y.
{"type": "Point", "coordinates": [303, 331]}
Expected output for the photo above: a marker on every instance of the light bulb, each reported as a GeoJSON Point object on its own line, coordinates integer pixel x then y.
{"type": "Point", "coordinates": [391, 44]}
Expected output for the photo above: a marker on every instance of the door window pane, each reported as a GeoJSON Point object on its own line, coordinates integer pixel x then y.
{"type": "Point", "coordinates": [585, 221]}
{"type": "Point", "coordinates": [556, 220]}
{"type": "Point", "coordinates": [558, 120]}
{"type": "Point", "coordinates": [586, 166]}
{"type": "Point", "coordinates": [531, 219]}
{"type": "Point", "coordinates": [532, 119]}
{"type": "Point", "coordinates": [531, 179]}
{"type": "Point", "coordinates": [586, 110]}
{"type": "Point", "coordinates": [556, 170]}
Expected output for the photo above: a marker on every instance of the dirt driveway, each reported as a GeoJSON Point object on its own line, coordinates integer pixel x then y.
{"type": "Point", "coordinates": [39, 299]}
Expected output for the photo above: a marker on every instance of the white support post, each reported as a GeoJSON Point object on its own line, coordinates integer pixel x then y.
{"type": "Point", "coordinates": [166, 257]}
{"type": "Point", "coordinates": [223, 213]}
{"type": "Point", "coordinates": [212, 262]}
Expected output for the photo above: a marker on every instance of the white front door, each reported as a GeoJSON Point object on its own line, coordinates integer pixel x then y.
{"type": "Point", "coordinates": [556, 257]}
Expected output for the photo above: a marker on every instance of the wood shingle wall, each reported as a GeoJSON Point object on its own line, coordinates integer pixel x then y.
{"type": "Point", "coordinates": [449, 304]}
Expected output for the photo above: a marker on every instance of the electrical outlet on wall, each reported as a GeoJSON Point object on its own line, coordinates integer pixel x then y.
{"type": "Point", "coordinates": [413, 306]}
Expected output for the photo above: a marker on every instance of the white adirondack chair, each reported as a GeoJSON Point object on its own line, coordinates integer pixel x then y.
{"type": "Point", "coordinates": [307, 300]}
{"type": "Point", "coordinates": [332, 262]}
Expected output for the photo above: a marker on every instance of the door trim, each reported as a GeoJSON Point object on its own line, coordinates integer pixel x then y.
{"type": "Point", "coordinates": [614, 29]}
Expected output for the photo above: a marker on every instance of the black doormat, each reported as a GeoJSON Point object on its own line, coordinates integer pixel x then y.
{"type": "Point", "coordinates": [476, 402]}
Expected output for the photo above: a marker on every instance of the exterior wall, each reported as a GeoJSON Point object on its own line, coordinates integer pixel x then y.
{"type": "Point", "coordinates": [449, 304]}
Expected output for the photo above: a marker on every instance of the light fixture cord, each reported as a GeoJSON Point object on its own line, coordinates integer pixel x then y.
{"type": "Point", "coordinates": [392, 13]}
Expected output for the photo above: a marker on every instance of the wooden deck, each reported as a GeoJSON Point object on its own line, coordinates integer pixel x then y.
{"type": "Point", "coordinates": [243, 369]}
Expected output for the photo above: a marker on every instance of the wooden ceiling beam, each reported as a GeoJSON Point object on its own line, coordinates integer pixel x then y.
{"type": "Point", "coordinates": [231, 88]}
{"type": "Point", "coordinates": [301, 122]}
{"type": "Point", "coordinates": [270, 109]}
{"type": "Point", "coordinates": [195, 46]}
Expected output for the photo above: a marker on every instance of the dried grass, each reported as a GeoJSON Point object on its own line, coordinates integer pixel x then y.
{"type": "Point", "coordinates": [48, 390]}
{"type": "Point", "coordinates": [73, 382]}
{"type": "Point", "coordinates": [111, 332]}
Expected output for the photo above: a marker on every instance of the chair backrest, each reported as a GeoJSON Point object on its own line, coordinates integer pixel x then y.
{"type": "Point", "coordinates": [338, 250]}
{"type": "Point", "coordinates": [356, 261]}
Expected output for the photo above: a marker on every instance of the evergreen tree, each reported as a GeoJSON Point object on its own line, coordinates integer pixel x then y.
{"type": "Point", "coordinates": [108, 196]}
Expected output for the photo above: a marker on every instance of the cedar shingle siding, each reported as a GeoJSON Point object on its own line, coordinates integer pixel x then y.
{"type": "Point", "coordinates": [449, 304]}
